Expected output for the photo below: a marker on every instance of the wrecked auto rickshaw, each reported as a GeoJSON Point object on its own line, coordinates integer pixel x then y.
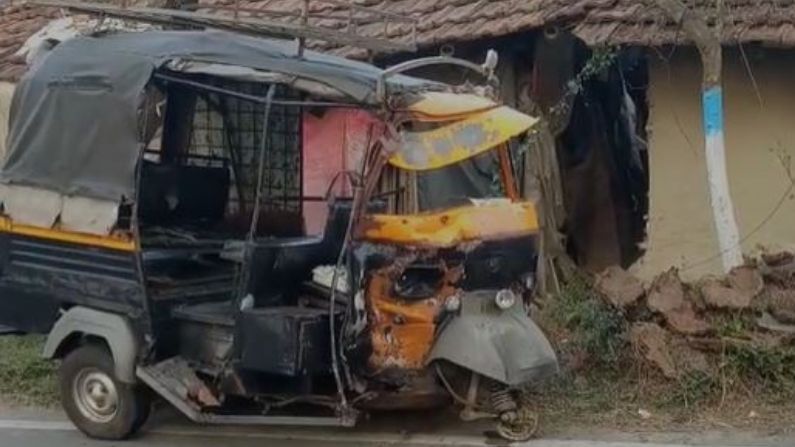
{"type": "Point", "coordinates": [154, 190]}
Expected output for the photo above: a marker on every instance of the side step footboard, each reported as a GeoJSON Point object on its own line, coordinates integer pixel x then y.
{"type": "Point", "coordinates": [175, 381]}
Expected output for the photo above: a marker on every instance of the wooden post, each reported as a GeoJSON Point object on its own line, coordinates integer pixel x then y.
{"type": "Point", "coordinates": [554, 265]}
{"type": "Point", "coordinates": [709, 46]}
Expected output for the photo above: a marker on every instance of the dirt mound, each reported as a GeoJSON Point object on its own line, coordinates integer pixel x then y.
{"type": "Point", "coordinates": [668, 298]}
{"type": "Point", "coordinates": [653, 343]}
{"type": "Point", "coordinates": [619, 287]}
{"type": "Point", "coordinates": [680, 328]}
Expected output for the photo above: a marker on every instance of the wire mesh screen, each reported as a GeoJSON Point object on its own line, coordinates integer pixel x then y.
{"type": "Point", "coordinates": [232, 128]}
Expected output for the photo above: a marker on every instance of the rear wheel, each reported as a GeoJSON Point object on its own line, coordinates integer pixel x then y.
{"type": "Point", "coordinates": [95, 400]}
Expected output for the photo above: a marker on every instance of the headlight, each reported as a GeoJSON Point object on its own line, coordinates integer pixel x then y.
{"type": "Point", "coordinates": [453, 303]}
{"type": "Point", "coordinates": [505, 299]}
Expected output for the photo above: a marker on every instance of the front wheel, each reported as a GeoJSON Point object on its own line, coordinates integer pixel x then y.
{"type": "Point", "coordinates": [516, 420]}
{"type": "Point", "coordinates": [95, 401]}
{"type": "Point", "coordinates": [520, 428]}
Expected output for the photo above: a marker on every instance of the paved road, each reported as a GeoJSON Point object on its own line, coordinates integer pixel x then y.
{"type": "Point", "coordinates": [56, 436]}
{"type": "Point", "coordinates": [34, 429]}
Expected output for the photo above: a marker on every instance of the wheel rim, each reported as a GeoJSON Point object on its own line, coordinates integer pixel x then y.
{"type": "Point", "coordinates": [523, 429]}
{"type": "Point", "coordinates": [96, 396]}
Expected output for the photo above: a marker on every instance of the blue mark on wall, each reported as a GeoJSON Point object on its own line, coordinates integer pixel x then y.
{"type": "Point", "coordinates": [713, 111]}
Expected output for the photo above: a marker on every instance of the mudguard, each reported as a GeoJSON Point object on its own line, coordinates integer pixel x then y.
{"type": "Point", "coordinates": [504, 345]}
{"type": "Point", "coordinates": [114, 329]}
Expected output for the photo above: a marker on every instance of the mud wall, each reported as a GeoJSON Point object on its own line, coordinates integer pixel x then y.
{"type": "Point", "coordinates": [6, 91]}
{"type": "Point", "coordinates": [760, 131]}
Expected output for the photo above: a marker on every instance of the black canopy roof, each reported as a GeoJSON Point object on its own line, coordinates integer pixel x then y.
{"type": "Point", "coordinates": [75, 116]}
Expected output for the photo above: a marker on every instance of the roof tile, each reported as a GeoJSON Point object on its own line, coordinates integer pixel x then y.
{"type": "Point", "coordinates": [448, 21]}
{"type": "Point", "coordinates": [17, 24]}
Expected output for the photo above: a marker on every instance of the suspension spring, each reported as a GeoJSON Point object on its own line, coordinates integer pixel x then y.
{"type": "Point", "coordinates": [501, 399]}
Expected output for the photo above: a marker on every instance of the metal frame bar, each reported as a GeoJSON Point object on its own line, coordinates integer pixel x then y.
{"type": "Point", "coordinates": [261, 162]}
{"type": "Point", "coordinates": [257, 99]}
{"type": "Point", "coordinates": [257, 206]}
{"type": "Point", "coordinates": [425, 62]}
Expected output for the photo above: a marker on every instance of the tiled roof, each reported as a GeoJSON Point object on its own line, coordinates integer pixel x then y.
{"type": "Point", "coordinates": [771, 22]}
{"type": "Point", "coordinates": [17, 24]}
{"type": "Point", "coordinates": [595, 21]}
{"type": "Point", "coordinates": [439, 21]}
{"type": "Point", "coordinates": [450, 21]}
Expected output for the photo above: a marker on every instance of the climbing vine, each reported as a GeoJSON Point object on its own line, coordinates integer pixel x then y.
{"type": "Point", "coordinates": [601, 59]}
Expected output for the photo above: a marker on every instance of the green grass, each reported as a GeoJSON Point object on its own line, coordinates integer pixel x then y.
{"type": "Point", "coordinates": [596, 328]}
{"type": "Point", "coordinates": [26, 378]}
{"type": "Point", "coordinates": [603, 373]}
{"type": "Point", "coordinates": [691, 390]}
{"type": "Point", "coordinates": [766, 370]}
{"type": "Point", "coordinates": [733, 325]}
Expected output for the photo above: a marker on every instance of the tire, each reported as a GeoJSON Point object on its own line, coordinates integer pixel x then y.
{"type": "Point", "coordinates": [96, 402]}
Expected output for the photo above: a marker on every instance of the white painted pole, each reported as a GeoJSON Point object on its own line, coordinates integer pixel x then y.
{"type": "Point", "coordinates": [708, 42]}
{"type": "Point", "coordinates": [717, 176]}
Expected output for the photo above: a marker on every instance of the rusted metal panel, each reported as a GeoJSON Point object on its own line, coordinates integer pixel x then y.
{"type": "Point", "coordinates": [487, 220]}
{"type": "Point", "coordinates": [402, 330]}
